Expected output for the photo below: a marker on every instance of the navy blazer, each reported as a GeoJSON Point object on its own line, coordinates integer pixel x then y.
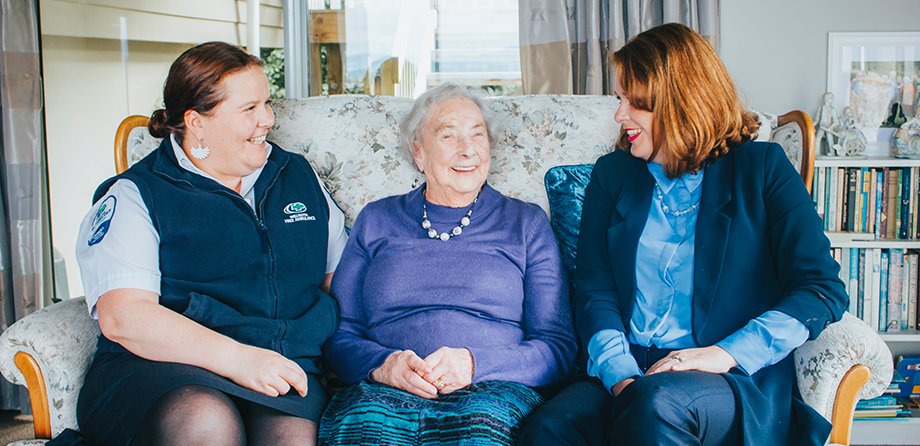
{"type": "Point", "coordinates": [760, 245]}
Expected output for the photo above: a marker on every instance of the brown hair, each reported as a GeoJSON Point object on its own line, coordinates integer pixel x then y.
{"type": "Point", "coordinates": [193, 83]}
{"type": "Point", "coordinates": [673, 72]}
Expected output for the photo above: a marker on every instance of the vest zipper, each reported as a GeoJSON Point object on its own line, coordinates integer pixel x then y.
{"type": "Point", "coordinates": [264, 234]}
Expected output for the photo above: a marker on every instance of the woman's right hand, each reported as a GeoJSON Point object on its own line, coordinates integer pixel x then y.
{"type": "Point", "coordinates": [618, 387]}
{"type": "Point", "coordinates": [266, 371]}
{"type": "Point", "coordinates": [403, 370]}
{"type": "Point", "coordinates": [135, 319]}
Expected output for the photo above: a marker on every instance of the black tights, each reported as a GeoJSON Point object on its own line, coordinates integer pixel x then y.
{"type": "Point", "coordinates": [199, 415]}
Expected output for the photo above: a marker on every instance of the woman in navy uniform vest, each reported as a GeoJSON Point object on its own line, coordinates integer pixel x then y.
{"type": "Point", "coordinates": [208, 265]}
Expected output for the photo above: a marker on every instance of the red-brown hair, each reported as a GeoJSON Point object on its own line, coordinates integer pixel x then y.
{"type": "Point", "coordinates": [674, 73]}
{"type": "Point", "coordinates": [193, 83]}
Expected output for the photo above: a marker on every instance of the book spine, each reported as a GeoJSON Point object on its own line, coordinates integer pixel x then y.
{"type": "Point", "coordinates": [866, 181]}
{"type": "Point", "coordinates": [912, 291]}
{"type": "Point", "coordinates": [905, 289]}
{"type": "Point", "coordinates": [831, 198]}
{"type": "Point", "coordinates": [879, 196]}
{"type": "Point", "coordinates": [840, 192]}
{"type": "Point", "coordinates": [894, 296]}
{"type": "Point", "coordinates": [884, 285]}
{"type": "Point", "coordinates": [912, 233]}
{"type": "Point", "coordinates": [818, 192]}
{"type": "Point", "coordinates": [870, 220]}
{"type": "Point", "coordinates": [883, 218]}
{"type": "Point", "coordinates": [872, 287]}
{"type": "Point", "coordinates": [884, 400]}
{"type": "Point", "coordinates": [904, 209]}
{"type": "Point", "coordinates": [852, 281]}
{"type": "Point", "coordinates": [830, 203]}
{"type": "Point", "coordinates": [916, 196]}
{"type": "Point", "coordinates": [861, 286]}
{"type": "Point", "coordinates": [850, 204]}
{"type": "Point", "coordinates": [894, 178]}
{"type": "Point", "coordinates": [908, 192]}
{"type": "Point", "coordinates": [847, 274]}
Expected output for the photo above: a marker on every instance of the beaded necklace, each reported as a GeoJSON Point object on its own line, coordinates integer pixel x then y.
{"type": "Point", "coordinates": [667, 210]}
{"type": "Point", "coordinates": [445, 236]}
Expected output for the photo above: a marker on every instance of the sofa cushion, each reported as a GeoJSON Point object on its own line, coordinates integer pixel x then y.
{"type": "Point", "coordinates": [565, 190]}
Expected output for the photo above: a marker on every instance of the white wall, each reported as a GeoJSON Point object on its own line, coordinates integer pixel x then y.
{"type": "Point", "coordinates": [777, 50]}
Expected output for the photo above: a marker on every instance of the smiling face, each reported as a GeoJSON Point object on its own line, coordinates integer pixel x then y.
{"type": "Point", "coordinates": [638, 125]}
{"type": "Point", "coordinates": [453, 152]}
{"type": "Point", "coordinates": [235, 129]}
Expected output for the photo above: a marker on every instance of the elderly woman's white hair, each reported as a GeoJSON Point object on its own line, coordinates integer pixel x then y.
{"type": "Point", "coordinates": [413, 124]}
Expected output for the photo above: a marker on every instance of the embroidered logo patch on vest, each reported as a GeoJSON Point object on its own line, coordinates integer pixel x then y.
{"type": "Point", "coordinates": [298, 212]}
{"type": "Point", "coordinates": [102, 220]}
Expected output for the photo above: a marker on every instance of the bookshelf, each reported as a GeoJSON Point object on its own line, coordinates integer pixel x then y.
{"type": "Point", "coordinates": [865, 237]}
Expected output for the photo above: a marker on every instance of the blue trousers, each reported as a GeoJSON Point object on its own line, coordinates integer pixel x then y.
{"type": "Point", "coordinates": [669, 408]}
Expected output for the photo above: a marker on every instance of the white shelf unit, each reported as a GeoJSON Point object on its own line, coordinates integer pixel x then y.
{"type": "Point", "coordinates": [892, 431]}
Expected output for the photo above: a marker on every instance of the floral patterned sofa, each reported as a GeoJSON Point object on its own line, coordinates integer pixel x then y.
{"type": "Point", "coordinates": [352, 143]}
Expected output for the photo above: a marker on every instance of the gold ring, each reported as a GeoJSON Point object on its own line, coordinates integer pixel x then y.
{"type": "Point", "coordinates": [441, 384]}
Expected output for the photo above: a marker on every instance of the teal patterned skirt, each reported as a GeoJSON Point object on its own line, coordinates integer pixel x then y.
{"type": "Point", "coordinates": [487, 413]}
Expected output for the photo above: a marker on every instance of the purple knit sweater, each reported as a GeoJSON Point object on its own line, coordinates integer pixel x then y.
{"type": "Point", "coordinates": [497, 289]}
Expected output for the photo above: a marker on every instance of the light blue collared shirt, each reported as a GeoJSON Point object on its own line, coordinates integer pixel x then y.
{"type": "Point", "coordinates": [664, 294]}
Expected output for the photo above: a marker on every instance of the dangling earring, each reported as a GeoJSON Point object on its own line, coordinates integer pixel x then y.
{"type": "Point", "coordinates": [415, 183]}
{"type": "Point", "coordinates": [201, 152]}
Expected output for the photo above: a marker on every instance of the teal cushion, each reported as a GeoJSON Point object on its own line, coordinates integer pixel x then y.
{"type": "Point", "coordinates": [565, 189]}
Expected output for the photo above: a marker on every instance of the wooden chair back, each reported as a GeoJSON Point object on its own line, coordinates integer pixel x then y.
{"type": "Point", "coordinates": [122, 136]}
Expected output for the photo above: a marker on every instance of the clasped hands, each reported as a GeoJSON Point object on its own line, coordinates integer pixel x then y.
{"type": "Point", "coordinates": [712, 359]}
{"type": "Point", "coordinates": [445, 370]}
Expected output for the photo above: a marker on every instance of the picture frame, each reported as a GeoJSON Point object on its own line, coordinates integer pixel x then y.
{"type": "Point", "coordinates": [859, 69]}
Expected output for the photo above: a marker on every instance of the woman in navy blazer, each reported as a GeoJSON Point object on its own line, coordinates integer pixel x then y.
{"type": "Point", "coordinates": [701, 266]}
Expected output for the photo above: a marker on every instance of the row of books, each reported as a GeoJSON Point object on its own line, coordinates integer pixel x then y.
{"type": "Point", "coordinates": [900, 399]}
{"type": "Point", "coordinates": [879, 201]}
{"type": "Point", "coordinates": [882, 285]}
{"type": "Point", "coordinates": [885, 406]}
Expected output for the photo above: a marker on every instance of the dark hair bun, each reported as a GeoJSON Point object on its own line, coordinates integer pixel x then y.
{"type": "Point", "coordinates": [157, 125]}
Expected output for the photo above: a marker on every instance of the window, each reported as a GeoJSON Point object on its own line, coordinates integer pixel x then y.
{"type": "Point", "coordinates": [403, 47]}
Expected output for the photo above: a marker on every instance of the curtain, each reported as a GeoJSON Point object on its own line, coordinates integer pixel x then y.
{"type": "Point", "coordinates": [565, 43]}
{"type": "Point", "coordinates": [23, 241]}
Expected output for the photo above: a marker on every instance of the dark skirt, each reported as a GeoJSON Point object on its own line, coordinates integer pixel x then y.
{"type": "Point", "coordinates": [488, 413]}
{"type": "Point", "coordinates": [120, 387]}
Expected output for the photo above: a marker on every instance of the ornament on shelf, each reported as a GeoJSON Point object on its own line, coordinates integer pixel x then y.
{"type": "Point", "coordinates": [905, 143]}
{"type": "Point", "coordinates": [841, 139]}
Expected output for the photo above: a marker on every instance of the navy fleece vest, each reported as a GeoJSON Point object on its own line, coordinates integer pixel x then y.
{"type": "Point", "coordinates": [252, 276]}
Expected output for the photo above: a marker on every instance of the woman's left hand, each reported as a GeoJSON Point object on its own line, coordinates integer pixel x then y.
{"type": "Point", "coordinates": [451, 369]}
{"type": "Point", "coordinates": [707, 359]}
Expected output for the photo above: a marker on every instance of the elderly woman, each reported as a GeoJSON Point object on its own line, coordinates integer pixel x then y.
{"type": "Point", "coordinates": [701, 266]}
{"type": "Point", "coordinates": [452, 299]}
{"type": "Point", "coordinates": [213, 305]}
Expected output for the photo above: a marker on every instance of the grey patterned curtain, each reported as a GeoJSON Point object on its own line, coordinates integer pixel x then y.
{"type": "Point", "coordinates": [23, 240]}
{"type": "Point", "coordinates": [565, 43]}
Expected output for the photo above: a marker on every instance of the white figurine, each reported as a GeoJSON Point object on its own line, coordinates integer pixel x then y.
{"type": "Point", "coordinates": [851, 140]}
{"type": "Point", "coordinates": [906, 140]}
{"type": "Point", "coordinates": [826, 124]}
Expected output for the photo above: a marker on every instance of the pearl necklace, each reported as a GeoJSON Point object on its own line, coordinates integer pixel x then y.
{"type": "Point", "coordinates": [445, 236]}
{"type": "Point", "coordinates": [668, 210]}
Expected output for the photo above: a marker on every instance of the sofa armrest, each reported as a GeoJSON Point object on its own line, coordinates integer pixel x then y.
{"type": "Point", "coordinates": [822, 364]}
{"type": "Point", "coordinates": [51, 348]}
